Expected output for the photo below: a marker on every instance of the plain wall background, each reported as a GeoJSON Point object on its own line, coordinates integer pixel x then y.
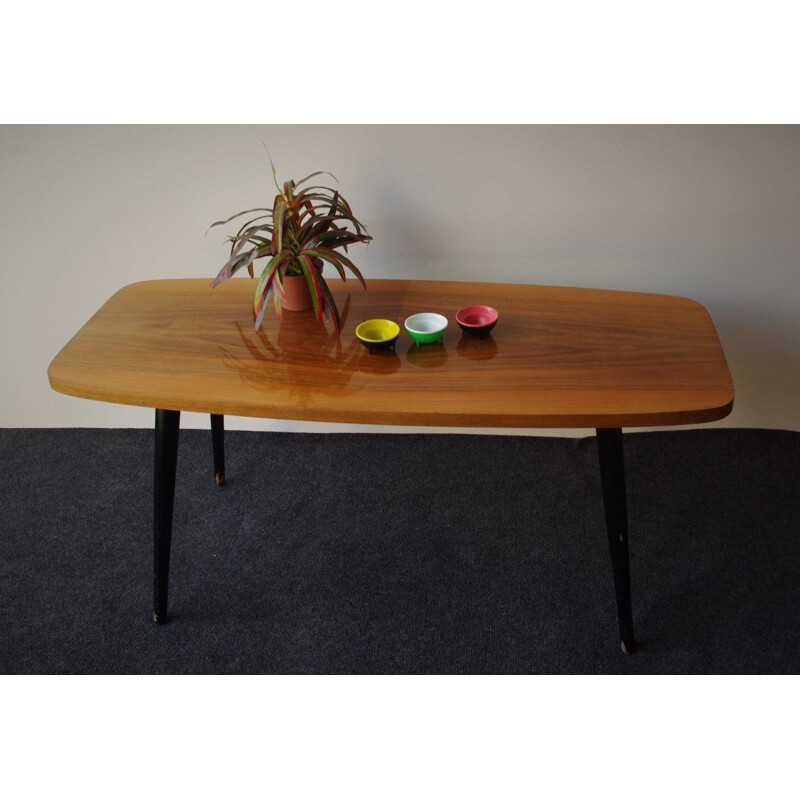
{"type": "Point", "coordinates": [709, 212]}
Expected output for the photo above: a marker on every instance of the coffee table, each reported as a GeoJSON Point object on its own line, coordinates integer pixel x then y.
{"type": "Point", "coordinates": [558, 358]}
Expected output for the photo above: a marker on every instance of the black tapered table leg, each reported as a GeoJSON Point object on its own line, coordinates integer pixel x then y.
{"type": "Point", "coordinates": [218, 445]}
{"type": "Point", "coordinates": [166, 462]}
{"type": "Point", "coordinates": [612, 473]}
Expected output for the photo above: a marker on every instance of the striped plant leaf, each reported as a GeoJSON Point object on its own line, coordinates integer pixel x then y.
{"type": "Point", "coordinates": [312, 276]}
{"type": "Point", "coordinates": [331, 257]}
{"type": "Point", "coordinates": [265, 282]}
{"type": "Point", "coordinates": [314, 175]}
{"type": "Point", "coordinates": [240, 214]}
{"type": "Point", "coordinates": [330, 305]}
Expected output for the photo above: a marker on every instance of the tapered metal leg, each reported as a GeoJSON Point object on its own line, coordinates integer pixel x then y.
{"type": "Point", "coordinates": [218, 444]}
{"type": "Point", "coordinates": [612, 473]}
{"type": "Point", "coordinates": [166, 462]}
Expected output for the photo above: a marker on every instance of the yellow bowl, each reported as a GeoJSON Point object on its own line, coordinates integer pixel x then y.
{"type": "Point", "coordinates": [378, 334]}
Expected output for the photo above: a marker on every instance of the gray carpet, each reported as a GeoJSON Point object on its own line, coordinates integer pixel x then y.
{"type": "Point", "coordinates": [352, 553]}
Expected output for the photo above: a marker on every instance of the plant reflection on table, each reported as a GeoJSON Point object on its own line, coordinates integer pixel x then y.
{"type": "Point", "coordinates": [303, 358]}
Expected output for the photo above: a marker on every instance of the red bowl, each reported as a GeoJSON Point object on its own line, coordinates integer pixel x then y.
{"type": "Point", "coordinates": [477, 320]}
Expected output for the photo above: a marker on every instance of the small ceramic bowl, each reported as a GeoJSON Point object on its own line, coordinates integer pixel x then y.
{"type": "Point", "coordinates": [476, 320]}
{"type": "Point", "coordinates": [378, 334]}
{"type": "Point", "coordinates": [426, 328]}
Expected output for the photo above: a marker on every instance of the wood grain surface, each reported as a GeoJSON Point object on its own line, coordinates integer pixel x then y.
{"type": "Point", "coordinates": [558, 357]}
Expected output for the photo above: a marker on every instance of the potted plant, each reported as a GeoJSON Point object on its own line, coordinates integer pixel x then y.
{"type": "Point", "coordinates": [306, 227]}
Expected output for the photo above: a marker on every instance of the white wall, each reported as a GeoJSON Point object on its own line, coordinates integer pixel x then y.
{"type": "Point", "coordinates": [710, 212]}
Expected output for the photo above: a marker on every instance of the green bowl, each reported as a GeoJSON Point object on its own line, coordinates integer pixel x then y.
{"type": "Point", "coordinates": [426, 328]}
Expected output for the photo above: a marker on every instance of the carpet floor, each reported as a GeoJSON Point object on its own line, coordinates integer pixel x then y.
{"type": "Point", "coordinates": [399, 553]}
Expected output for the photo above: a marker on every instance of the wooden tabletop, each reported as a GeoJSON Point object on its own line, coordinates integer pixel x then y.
{"type": "Point", "coordinates": [558, 357]}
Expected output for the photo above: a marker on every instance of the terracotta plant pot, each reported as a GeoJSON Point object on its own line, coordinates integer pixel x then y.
{"type": "Point", "coordinates": [298, 295]}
